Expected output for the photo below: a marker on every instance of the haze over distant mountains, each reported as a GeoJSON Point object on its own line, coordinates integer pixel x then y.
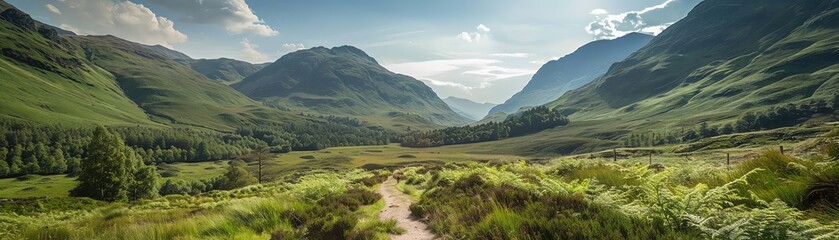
{"type": "Point", "coordinates": [468, 108]}
{"type": "Point", "coordinates": [572, 71]}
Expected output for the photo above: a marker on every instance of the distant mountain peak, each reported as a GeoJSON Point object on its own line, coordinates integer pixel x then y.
{"type": "Point", "coordinates": [345, 81]}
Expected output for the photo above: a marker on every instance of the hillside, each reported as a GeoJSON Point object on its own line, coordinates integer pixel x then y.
{"type": "Point", "coordinates": [713, 66]}
{"type": "Point", "coordinates": [224, 70]}
{"type": "Point", "coordinates": [170, 92]}
{"type": "Point", "coordinates": [45, 78]}
{"type": "Point", "coordinates": [345, 81]}
{"type": "Point", "coordinates": [724, 58]}
{"type": "Point", "coordinates": [573, 71]}
{"type": "Point", "coordinates": [169, 53]}
{"type": "Point", "coordinates": [468, 108]}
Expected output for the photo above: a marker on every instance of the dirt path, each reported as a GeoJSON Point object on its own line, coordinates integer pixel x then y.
{"type": "Point", "coordinates": [396, 207]}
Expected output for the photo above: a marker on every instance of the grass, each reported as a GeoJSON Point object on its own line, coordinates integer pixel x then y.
{"type": "Point", "coordinates": [597, 199]}
{"type": "Point", "coordinates": [73, 94]}
{"type": "Point", "coordinates": [60, 185]}
{"type": "Point", "coordinates": [256, 212]}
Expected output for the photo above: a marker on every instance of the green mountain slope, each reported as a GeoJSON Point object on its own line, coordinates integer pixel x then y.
{"type": "Point", "coordinates": [169, 53]}
{"type": "Point", "coordinates": [44, 78]}
{"type": "Point", "coordinates": [345, 81]}
{"type": "Point", "coordinates": [468, 108]}
{"type": "Point", "coordinates": [724, 58]}
{"type": "Point", "coordinates": [573, 71]}
{"type": "Point", "coordinates": [224, 70]}
{"type": "Point", "coordinates": [171, 92]}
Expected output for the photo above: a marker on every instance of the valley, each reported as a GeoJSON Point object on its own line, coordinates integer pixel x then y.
{"type": "Point", "coordinates": [690, 119]}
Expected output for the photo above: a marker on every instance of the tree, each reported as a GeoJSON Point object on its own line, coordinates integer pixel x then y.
{"type": "Point", "coordinates": [30, 164]}
{"type": "Point", "coordinates": [103, 172]}
{"type": "Point", "coordinates": [73, 165]}
{"type": "Point", "coordinates": [144, 184]}
{"type": "Point", "coordinates": [16, 160]}
{"type": "Point", "coordinates": [237, 176]}
{"type": "Point", "coordinates": [46, 162]}
{"type": "Point", "coordinates": [59, 160]}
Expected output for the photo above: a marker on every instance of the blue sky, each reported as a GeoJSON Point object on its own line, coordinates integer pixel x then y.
{"type": "Point", "coordinates": [483, 50]}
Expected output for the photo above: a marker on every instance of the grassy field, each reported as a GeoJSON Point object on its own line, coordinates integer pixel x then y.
{"type": "Point", "coordinates": [60, 185]}
{"type": "Point", "coordinates": [376, 157]}
{"type": "Point", "coordinates": [318, 206]}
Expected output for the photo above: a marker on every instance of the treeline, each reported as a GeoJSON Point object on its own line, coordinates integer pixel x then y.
{"type": "Point", "coordinates": [113, 171]}
{"type": "Point", "coordinates": [28, 148]}
{"type": "Point", "coordinates": [530, 121]}
{"type": "Point", "coordinates": [775, 117]}
{"type": "Point", "coordinates": [307, 136]}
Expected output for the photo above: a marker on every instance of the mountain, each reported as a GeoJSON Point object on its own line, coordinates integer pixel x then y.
{"type": "Point", "coordinates": [573, 70]}
{"type": "Point", "coordinates": [171, 92]}
{"type": "Point", "coordinates": [225, 70]}
{"type": "Point", "coordinates": [45, 77]}
{"type": "Point", "coordinates": [168, 53]}
{"type": "Point", "coordinates": [52, 78]}
{"type": "Point", "coordinates": [724, 58]}
{"type": "Point", "coordinates": [468, 108]}
{"type": "Point", "coordinates": [345, 81]}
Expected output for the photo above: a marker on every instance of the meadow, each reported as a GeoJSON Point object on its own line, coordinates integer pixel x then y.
{"type": "Point", "coordinates": [685, 192]}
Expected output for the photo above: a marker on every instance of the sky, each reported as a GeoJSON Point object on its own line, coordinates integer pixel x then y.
{"type": "Point", "coordinates": [483, 50]}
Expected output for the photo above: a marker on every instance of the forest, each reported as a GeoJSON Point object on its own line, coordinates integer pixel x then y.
{"type": "Point", "coordinates": [771, 118]}
{"type": "Point", "coordinates": [31, 148]}
{"type": "Point", "coordinates": [529, 121]}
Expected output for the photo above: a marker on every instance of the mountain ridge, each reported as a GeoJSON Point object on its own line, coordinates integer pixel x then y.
{"type": "Point", "coordinates": [468, 108]}
{"type": "Point", "coordinates": [574, 70]}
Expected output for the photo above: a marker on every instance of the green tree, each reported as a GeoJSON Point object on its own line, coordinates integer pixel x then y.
{"type": "Point", "coordinates": [103, 171]}
{"type": "Point", "coordinates": [237, 176]}
{"type": "Point", "coordinates": [4, 165]}
{"type": "Point", "coordinates": [60, 162]}
{"type": "Point", "coordinates": [143, 183]}
{"type": "Point", "coordinates": [45, 162]}
{"type": "Point", "coordinates": [73, 165]}
{"type": "Point", "coordinates": [16, 160]}
{"type": "Point", "coordinates": [30, 164]}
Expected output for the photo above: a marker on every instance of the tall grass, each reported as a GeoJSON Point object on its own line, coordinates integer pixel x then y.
{"type": "Point", "coordinates": [772, 196]}
{"type": "Point", "coordinates": [279, 210]}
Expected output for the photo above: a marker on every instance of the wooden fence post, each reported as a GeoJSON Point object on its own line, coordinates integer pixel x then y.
{"type": "Point", "coordinates": [651, 158]}
{"type": "Point", "coordinates": [728, 161]}
{"type": "Point", "coordinates": [782, 149]}
{"type": "Point", "coordinates": [614, 155]}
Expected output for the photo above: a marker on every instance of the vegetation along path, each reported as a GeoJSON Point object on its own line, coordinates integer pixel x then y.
{"type": "Point", "coordinates": [396, 207]}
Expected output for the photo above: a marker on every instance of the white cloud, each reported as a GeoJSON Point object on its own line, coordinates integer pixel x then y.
{"type": "Point", "coordinates": [497, 72]}
{"type": "Point", "coordinates": [512, 55]}
{"type": "Point", "coordinates": [70, 28]}
{"type": "Point", "coordinates": [53, 9]}
{"type": "Point", "coordinates": [484, 71]}
{"type": "Point", "coordinates": [293, 46]}
{"type": "Point", "coordinates": [482, 31]}
{"type": "Point", "coordinates": [655, 30]}
{"type": "Point", "coordinates": [250, 54]}
{"type": "Point", "coordinates": [234, 15]}
{"type": "Point", "coordinates": [124, 19]}
{"type": "Point", "coordinates": [543, 61]}
{"type": "Point", "coordinates": [432, 68]}
{"type": "Point", "coordinates": [446, 84]}
{"type": "Point", "coordinates": [598, 12]}
{"type": "Point", "coordinates": [652, 19]}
